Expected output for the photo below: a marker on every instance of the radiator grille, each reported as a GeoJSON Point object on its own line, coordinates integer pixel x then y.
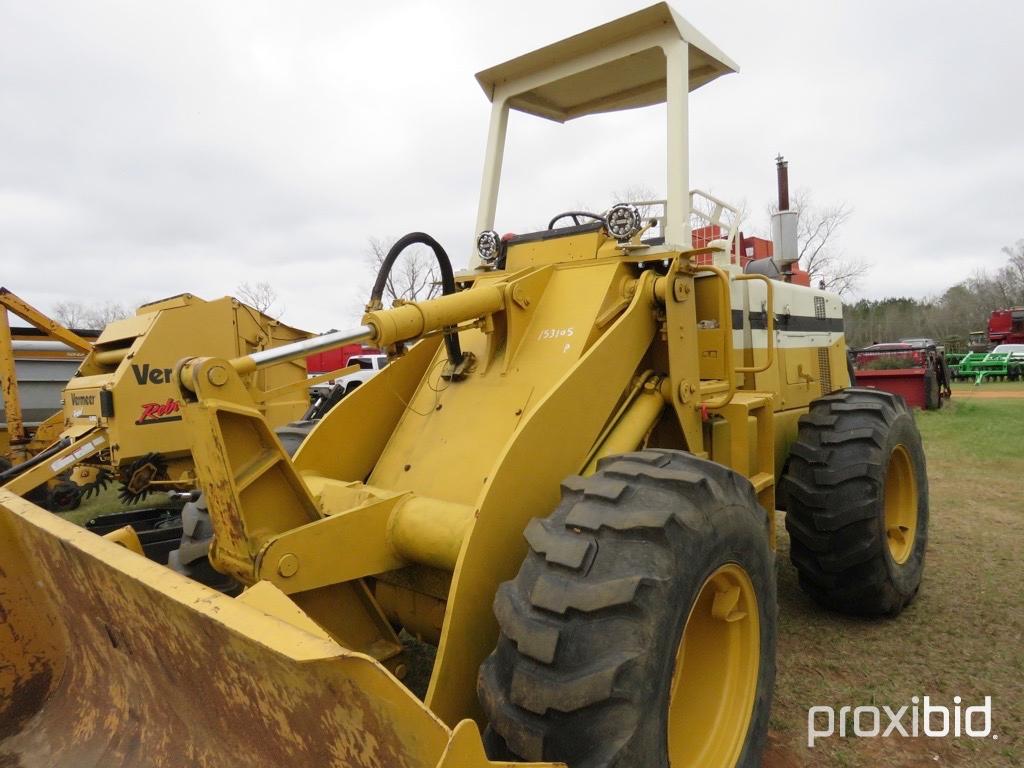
{"type": "Point", "coordinates": [824, 370]}
{"type": "Point", "coordinates": [819, 307]}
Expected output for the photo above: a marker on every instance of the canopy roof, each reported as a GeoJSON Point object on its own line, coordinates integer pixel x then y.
{"type": "Point", "coordinates": [618, 65]}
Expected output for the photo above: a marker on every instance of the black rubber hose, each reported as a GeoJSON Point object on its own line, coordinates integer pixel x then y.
{"type": "Point", "coordinates": [451, 338]}
{"type": "Point", "coordinates": [39, 458]}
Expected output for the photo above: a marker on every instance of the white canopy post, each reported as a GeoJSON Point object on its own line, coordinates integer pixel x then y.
{"type": "Point", "coordinates": [677, 205]}
{"type": "Point", "coordinates": [493, 158]}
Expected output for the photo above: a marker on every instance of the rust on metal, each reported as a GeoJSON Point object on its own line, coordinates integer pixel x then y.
{"type": "Point", "coordinates": [112, 660]}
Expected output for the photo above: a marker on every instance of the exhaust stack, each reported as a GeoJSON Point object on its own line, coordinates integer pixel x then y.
{"type": "Point", "coordinates": [784, 223]}
{"type": "Point", "coordinates": [782, 171]}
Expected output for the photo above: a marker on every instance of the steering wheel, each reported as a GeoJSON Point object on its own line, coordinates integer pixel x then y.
{"type": "Point", "coordinates": [575, 216]}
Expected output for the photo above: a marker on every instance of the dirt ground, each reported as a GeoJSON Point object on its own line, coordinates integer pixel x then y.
{"type": "Point", "coordinates": [983, 394]}
{"type": "Point", "coordinates": [963, 636]}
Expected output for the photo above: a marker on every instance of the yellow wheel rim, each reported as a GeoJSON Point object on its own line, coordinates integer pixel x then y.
{"type": "Point", "coordinates": [714, 683]}
{"type": "Point", "coordinates": [900, 505]}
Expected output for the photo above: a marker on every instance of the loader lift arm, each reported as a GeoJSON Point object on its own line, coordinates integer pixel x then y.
{"type": "Point", "coordinates": [279, 522]}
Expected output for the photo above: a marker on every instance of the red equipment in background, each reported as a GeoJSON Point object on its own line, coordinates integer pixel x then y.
{"type": "Point", "coordinates": [916, 372]}
{"type": "Point", "coordinates": [1006, 326]}
{"type": "Point", "coordinates": [334, 359]}
{"type": "Point", "coordinates": [747, 249]}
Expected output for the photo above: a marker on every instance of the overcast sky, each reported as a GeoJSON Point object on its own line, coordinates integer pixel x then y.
{"type": "Point", "coordinates": [152, 148]}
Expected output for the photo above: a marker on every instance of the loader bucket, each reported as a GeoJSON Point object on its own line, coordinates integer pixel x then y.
{"type": "Point", "coordinates": [109, 659]}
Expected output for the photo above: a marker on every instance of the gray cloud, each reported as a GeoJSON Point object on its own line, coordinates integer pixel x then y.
{"type": "Point", "coordinates": [149, 149]}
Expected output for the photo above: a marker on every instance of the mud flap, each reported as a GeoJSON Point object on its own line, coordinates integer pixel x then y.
{"type": "Point", "coordinates": [109, 659]}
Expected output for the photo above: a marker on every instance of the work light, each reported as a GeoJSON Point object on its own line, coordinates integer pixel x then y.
{"type": "Point", "coordinates": [623, 221]}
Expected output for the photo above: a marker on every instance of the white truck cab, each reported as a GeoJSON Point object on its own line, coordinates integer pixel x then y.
{"type": "Point", "coordinates": [369, 365]}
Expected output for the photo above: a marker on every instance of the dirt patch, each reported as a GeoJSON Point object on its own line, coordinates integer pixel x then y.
{"type": "Point", "coordinates": [963, 635]}
{"type": "Point", "coordinates": [989, 394]}
{"type": "Point", "coordinates": [780, 755]}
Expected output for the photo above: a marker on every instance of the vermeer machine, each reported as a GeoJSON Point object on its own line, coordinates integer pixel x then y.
{"type": "Point", "coordinates": [123, 399]}
{"type": "Point", "coordinates": [565, 482]}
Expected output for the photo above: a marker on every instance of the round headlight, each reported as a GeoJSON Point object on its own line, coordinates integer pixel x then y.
{"type": "Point", "coordinates": [488, 245]}
{"type": "Point", "coordinates": [623, 221]}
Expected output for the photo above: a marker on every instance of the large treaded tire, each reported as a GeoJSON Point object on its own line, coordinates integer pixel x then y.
{"type": "Point", "coordinates": [294, 433]}
{"type": "Point", "coordinates": [191, 558]}
{"type": "Point", "coordinates": [835, 486]}
{"type": "Point", "coordinates": [591, 624]}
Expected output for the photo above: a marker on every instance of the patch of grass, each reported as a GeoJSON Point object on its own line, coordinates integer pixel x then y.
{"type": "Point", "coordinates": [890, 363]}
{"type": "Point", "coordinates": [979, 429]}
{"type": "Point", "coordinates": [963, 635]}
{"type": "Point", "coordinates": [107, 502]}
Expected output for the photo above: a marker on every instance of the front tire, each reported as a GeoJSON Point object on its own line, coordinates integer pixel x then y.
{"type": "Point", "coordinates": [640, 630]}
{"type": "Point", "coordinates": [857, 503]}
{"type": "Point", "coordinates": [191, 558]}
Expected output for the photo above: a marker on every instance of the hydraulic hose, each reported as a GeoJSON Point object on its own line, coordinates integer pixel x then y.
{"type": "Point", "coordinates": [39, 458]}
{"type": "Point", "coordinates": [451, 337]}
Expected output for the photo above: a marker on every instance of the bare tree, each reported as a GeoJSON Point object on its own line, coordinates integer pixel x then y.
{"type": "Point", "coordinates": [413, 277]}
{"type": "Point", "coordinates": [820, 256]}
{"type": "Point", "coordinates": [75, 314]}
{"type": "Point", "coordinates": [261, 296]}
{"type": "Point", "coordinates": [71, 314]}
{"type": "Point", "coordinates": [1012, 275]}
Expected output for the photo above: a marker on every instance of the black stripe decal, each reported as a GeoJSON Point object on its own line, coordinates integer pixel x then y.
{"type": "Point", "coordinates": [796, 323]}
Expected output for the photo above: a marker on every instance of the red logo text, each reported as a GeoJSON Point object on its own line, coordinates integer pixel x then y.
{"type": "Point", "coordinates": [156, 412]}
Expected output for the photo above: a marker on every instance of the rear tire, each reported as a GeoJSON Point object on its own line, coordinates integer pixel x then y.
{"type": "Point", "coordinates": [655, 545]}
{"type": "Point", "coordinates": [857, 495]}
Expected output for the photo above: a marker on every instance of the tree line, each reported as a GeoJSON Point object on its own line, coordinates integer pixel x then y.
{"type": "Point", "coordinates": [951, 316]}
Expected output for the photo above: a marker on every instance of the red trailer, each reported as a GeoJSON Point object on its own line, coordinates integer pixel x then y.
{"type": "Point", "coordinates": [915, 371]}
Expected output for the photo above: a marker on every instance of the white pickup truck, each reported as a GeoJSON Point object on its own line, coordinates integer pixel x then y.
{"type": "Point", "coordinates": [369, 365]}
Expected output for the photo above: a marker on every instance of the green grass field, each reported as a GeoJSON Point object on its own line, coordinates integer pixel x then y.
{"type": "Point", "coordinates": [963, 636]}
{"type": "Point", "coordinates": [106, 501]}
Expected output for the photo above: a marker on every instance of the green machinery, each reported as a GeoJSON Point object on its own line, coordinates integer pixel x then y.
{"type": "Point", "coordinates": [989, 365]}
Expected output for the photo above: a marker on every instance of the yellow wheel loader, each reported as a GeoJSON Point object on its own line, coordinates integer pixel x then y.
{"type": "Point", "coordinates": [564, 482]}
